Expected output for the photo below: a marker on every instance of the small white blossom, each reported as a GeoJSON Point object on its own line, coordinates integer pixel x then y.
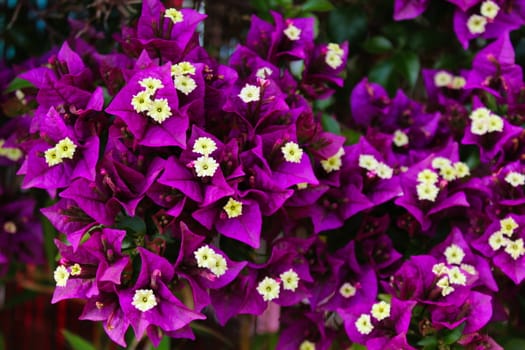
{"type": "Point", "coordinates": [439, 269]}
{"type": "Point", "coordinates": [400, 138]}
{"type": "Point", "coordinates": [263, 73]}
{"type": "Point", "coordinates": [368, 162]}
{"type": "Point", "coordinates": [75, 270]}
{"type": "Point", "coordinates": [480, 113]}
{"type": "Point", "coordinates": [51, 156]}
{"type": "Point", "coordinates": [268, 288]}
{"type": "Point", "coordinates": [364, 324]}
{"type": "Point", "coordinates": [66, 148]}
{"type": "Point", "coordinates": [292, 32]}
{"type": "Point", "coordinates": [479, 127]}
{"type": "Point", "coordinates": [175, 15]}
{"type": "Point", "coordinates": [233, 208]}
{"type": "Point", "coordinates": [515, 179]}
{"type": "Point", "coordinates": [184, 84]}
{"type": "Point", "coordinates": [454, 254]}
{"type": "Point", "coordinates": [383, 171]}
{"type": "Point", "coordinates": [205, 256]}
{"type": "Point", "coordinates": [440, 162]}
{"type": "Point", "coordinates": [141, 101]}
{"type": "Point", "coordinates": [61, 276]}
{"type": "Point", "coordinates": [442, 79]}
{"type": "Point", "coordinates": [250, 93]}
{"type": "Point", "coordinates": [205, 146]}
{"type": "Point", "coordinates": [347, 290]}
{"type": "Point", "coordinates": [508, 225]}
{"type": "Point", "coordinates": [290, 280]}
{"type": "Point", "coordinates": [182, 68]}
{"type": "Point", "coordinates": [151, 84]}
{"type": "Point", "coordinates": [205, 166]}
{"type": "Point", "coordinates": [476, 24]}
{"type": "Point", "coordinates": [292, 152]}
{"type": "Point", "coordinates": [144, 300]}
{"type": "Point", "coordinates": [515, 248]}
{"type": "Point", "coordinates": [333, 60]}
{"type": "Point", "coordinates": [462, 170]}
{"type": "Point", "coordinates": [380, 310]}
{"type": "Point", "coordinates": [427, 176]}
{"type": "Point", "coordinates": [159, 110]}
{"type": "Point", "coordinates": [471, 270]}
{"type": "Point", "coordinates": [458, 83]}
{"type": "Point", "coordinates": [497, 240]}
{"type": "Point", "coordinates": [445, 286]}
{"type": "Point", "coordinates": [494, 123]}
{"type": "Point", "coordinates": [427, 191]}
{"type": "Point", "coordinates": [307, 345]}
{"type": "Point", "coordinates": [455, 276]}
{"type": "Point", "coordinates": [219, 266]}
{"type": "Point", "coordinates": [489, 9]}
{"type": "Point", "coordinates": [333, 163]}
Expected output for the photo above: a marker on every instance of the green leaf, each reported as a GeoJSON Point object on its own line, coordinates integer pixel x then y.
{"type": "Point", "coordinates": [347, 23]}
{"type": "Point", "coordinates": [2, 342]}
{"type": "Point", "coordinates": [317, 5]}
{"type": "Point", "coordinates": [17, 84]}
{"type": "Point", "coordinates": [378, 44]}
{"type": "Point", "coordinates": [356, 346]}
{"type": "Point", "coordinates": [454, 335]}
{"type": "Point", "coordinates": [77, 342]}
{"type": "Point", "coordinates": [331, 124]}
{"type": "Point", "coordinates": [165, 344]}
{"type": "Point", "coordinates": [407, 63]}
{"type": "Point", "coordinates": [381, 72]}
{"type": "Point", "coordinates": [135, 224]}
{"type": "Point", "coordinates": [352, 136]}
{"type": "Point", "coordinates": [514, 344]}
{"type": "Point", "coordinates": [428, 342]}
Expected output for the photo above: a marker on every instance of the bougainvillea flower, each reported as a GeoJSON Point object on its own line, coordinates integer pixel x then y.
{"type": "Point", "coordinates": [408, 9]}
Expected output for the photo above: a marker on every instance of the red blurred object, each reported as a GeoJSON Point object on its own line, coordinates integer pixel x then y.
{"type": "Point", "coordinates": [173, 3]}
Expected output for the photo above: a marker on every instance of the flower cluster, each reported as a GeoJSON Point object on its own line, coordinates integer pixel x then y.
{"type": "Point", "coordinates": [187, 187]}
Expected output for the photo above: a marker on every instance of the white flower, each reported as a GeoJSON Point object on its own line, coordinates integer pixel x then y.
{"type": "Point", "coordinates": [204, 145]}
{"type": "Point", "coordinates": [75, 269]}
{"type": "Point", "coordinates": [335, 48]}
{"type": "Point", "coordinates": [307, 345]}
{"type": "Point", "coordinates": [61, 276]}
{"type": "Point", "coordinates": [427, 191]}
{"type": "Point", "coordinates": [439, 269]}
{"type": "Point", "coordinates": [175, 15]}
{"type": "Point", "coordinates": [141, 101]}
{"type": "Point", "coordinates": [489, 9]}
{"type": "Point", "coordinates": [380, 310]}
{"type": "Point", "coordinates": [219, 266]}
{"type": "Point", "coordinates": [445, 286]}
{"type": "Point", "coordinates": [454, 254]}
{"type": "Point", "coordinates": [144, 300]}
{"type": "Point", "coordinates": [508, 225]}
{"type": "Point", "coordinates": [364, 324]}
{"type": "Point", "coordinates": [368, 162]}
{"type": "Point", "coordinates": [479, 126]}
{"type": "Point", "coordinates": [292, 32]}
{"type": "Point", "coordinates": [268, 288]}
{"type": "Point", "coordinates": [205, 166]}
{"type": "Point", "coordinates": [455, 276]}
{"type": "Point", "coordinates": [205, 256]}
{"type": "Point", "coordinates": [66, 148]}
{"type": "Point", "coordinates": [51, 156]}
{"type": "Point", "coordinates": [151, 84]}
{"type": "Point", "coordinates": [448, 173]}
{"type": "Point", "coordinates": [182, 68]}
{"type": "Point", "coordinates": [333, 60]}
{"type": "Point", "coordinates": [480, 113]}
{"type": "Point", "coordinates": [292, 152]}
{"type": "Point", "coordinates": [427, 176]}
{"type": "Point", "coordinates": [400, 138]}
{"type": "Point", "coordinates": [440, 162]}
{"type": "Point", "coordinates": [442, 79]}
{"type": "Point", "coordinates": [333, 163]}
{"type": "Point", "coordinates": [495, 123]}
{"type": "Point", "coordinates": [462, 170]}
{"type": "Point", "coordinates": [476, 24]}
{"type": "Point", "coordinates": [159, 110]}
{"type": "Point", "coordinates": [383, 171]}
{"type": "Point", "coordinates": [458, 82]}
{"type": "Point", "coordinates": [468, 269]}
{"type": "Point", "coordinates": [184, 84]}
{"type": "Point", "coordinates": [263, 73]}
{"type": "Point", "coordinates": [233, 208]}
{"type": "Point", "coordinates": [347, 290]}
{"type": "Point", "coordinates": [497, 240]}
{"type": "Point", "coordinates": [250, 93]}
{"type": "Point", "coordinates": [515, 179]}
{"type": "Point", "coordinates": [290, 280]}
{"type": "Point", "coordinates": [515, 248]}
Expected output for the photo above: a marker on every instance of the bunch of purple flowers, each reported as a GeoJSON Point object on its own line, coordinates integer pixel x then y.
{"type": "Point", "coordinates": [187, 189]}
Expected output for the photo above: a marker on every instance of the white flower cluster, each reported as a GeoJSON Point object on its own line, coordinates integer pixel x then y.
{"type": "Point", "coordinates": [157, 109]}
{"type": "Point", "coordinates": [428, 178]}
{"type": "Point", "coordinates": [269, 288]}
{"type": "Point", "coordinates": [180, 73]}
{"type": "Point", "coordinates": [451, 273]}
{"type": "Point", "coordinates": [445, 79]}
{"type": "Point", "coordinates": [292, 32]}
{"type": "Point", "coordinates": [380, 311]}
{"type": "Point", "coordinates": [64, 149]}
{"type": "Point", "coordinates": [205, 165]}
{"type": "Point", "coordinates": [375, 167]}
{"type": "Point", "coordinates": [207, 258]}
{"type": "Point", "coordinates": [484, 121]}
{"type": "Point", "coordinates": [476, 24]}
{"type": "Point", "coordinates": [334, 55]}
{"type": "Point", "coordinates": [503, 238]}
